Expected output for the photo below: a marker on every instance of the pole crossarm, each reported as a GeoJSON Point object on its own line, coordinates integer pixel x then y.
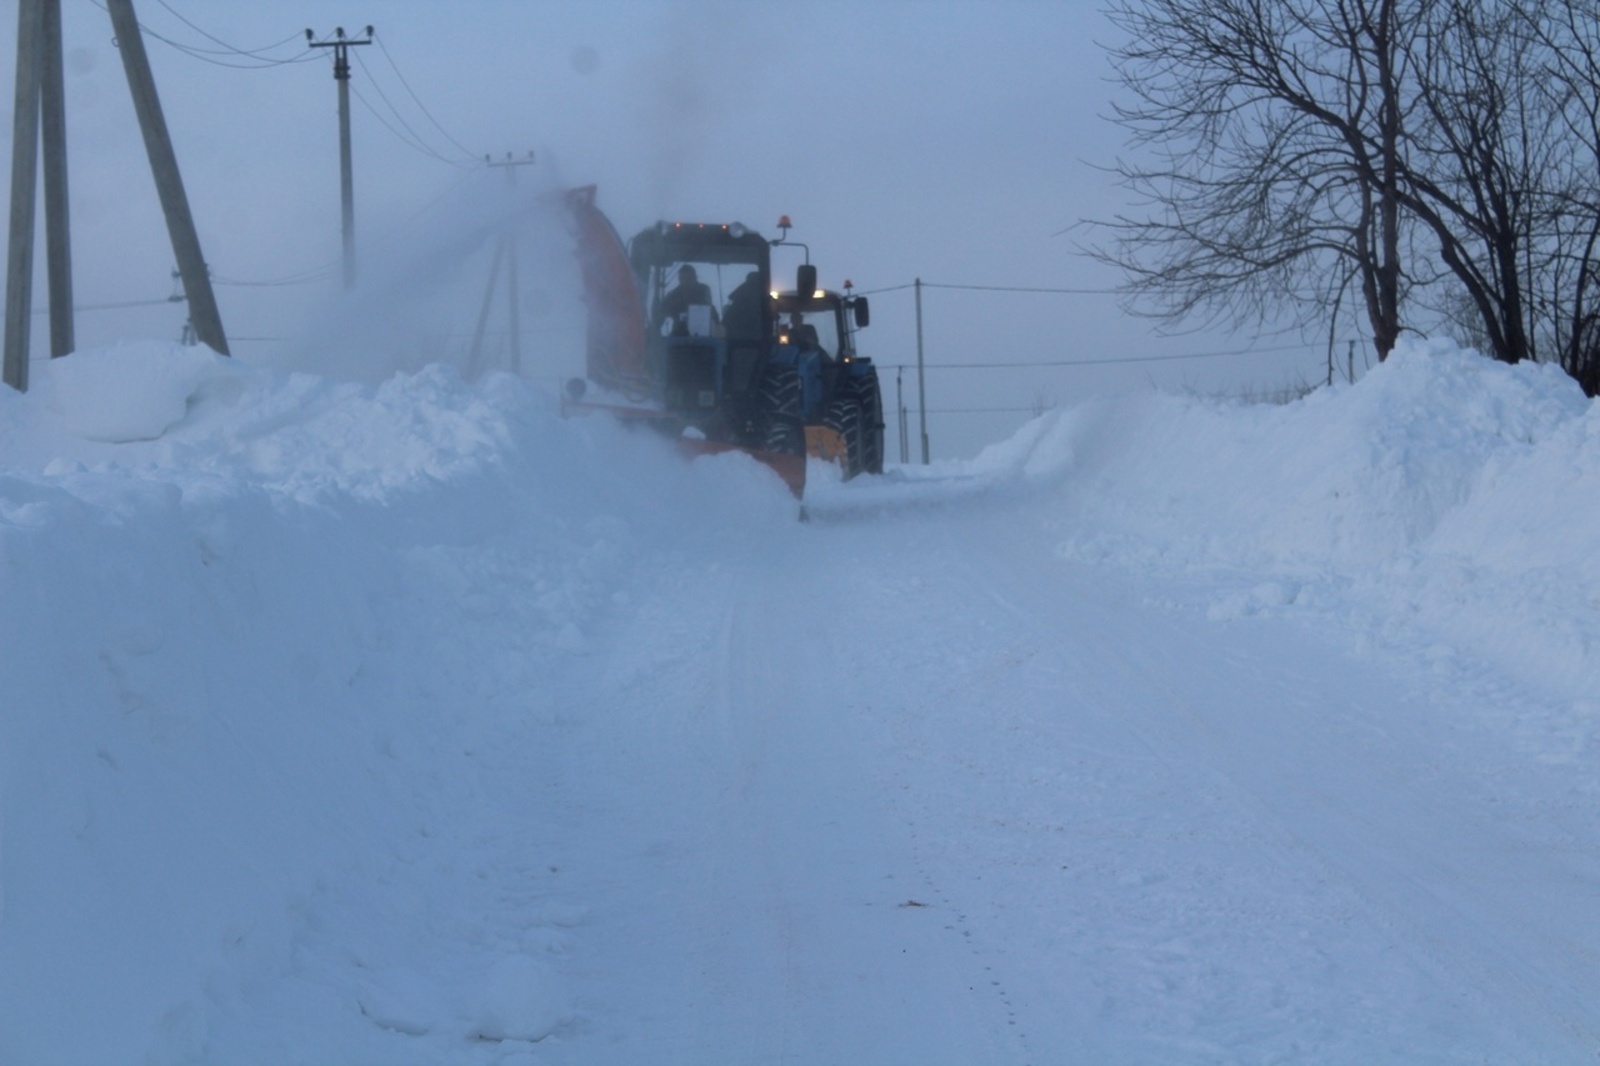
{"type": "Point", "coordinates": [510, 164]}
{"type": "Point", "coordinates": [341, 46]}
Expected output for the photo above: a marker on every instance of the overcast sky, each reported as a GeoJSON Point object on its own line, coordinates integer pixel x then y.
{"type": "Point", "coordinates": [948, 141]}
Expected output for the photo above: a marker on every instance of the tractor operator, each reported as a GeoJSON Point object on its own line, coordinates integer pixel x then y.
{"type": "Point", "coordinates": [689, 292]}
{"type": "Point", "coordinates": [742, 316]}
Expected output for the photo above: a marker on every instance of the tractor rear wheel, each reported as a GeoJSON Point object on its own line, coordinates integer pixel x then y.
{"type": "Point", "coordinates": [846, 415]}
{"type": "Point", "coordinates": [871, 423]}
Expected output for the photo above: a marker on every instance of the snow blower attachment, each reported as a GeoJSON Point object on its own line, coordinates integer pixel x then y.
{"type": "Point", "coordinates": [687, 333]}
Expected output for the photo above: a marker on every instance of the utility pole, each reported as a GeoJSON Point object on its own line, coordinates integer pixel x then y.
{"type": "Point", "coordinates": [506, 249]}
{"type": "Point", "coordinates": [57, 217]}
{"type": "Point", "coordinates": [169, 182]}
{"type": "Point", "coordinates": [513, 284]}
{"type": "Point", "coordinates": [24, 189]}
{"type": "Point", "coordinates": [922, 388]}
{"type": "Point", "coordinates": [40, 104]}
{"type": "Point", "coordinates": [900, 410]}
{"type": "Point", "coordinates": [341, 46]}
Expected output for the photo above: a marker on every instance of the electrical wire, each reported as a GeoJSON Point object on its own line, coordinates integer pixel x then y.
{"type": "Point", "coordinates": [304, 277]}
{"type": "Point", "coordinates": [120, 305]}
{"type": "Point", "coordinates": [1108, 361]}
{"type": "Point", "coordinates": [991, 288]}
{"type": "Point", "coordinates": [206, 55]}
{"type": "Point", "coordinates": [979, 410]}
{"type": "Point", "coordinates": [227, 49]}
{"type": "Point", "coordinates": [1020, 288]}
{"type": "Point", "coordinates": [332, 269]}
{"type": "Point", "coordinates": [418, 101]}
{"type": "Point", "coordinates": [412, 141]}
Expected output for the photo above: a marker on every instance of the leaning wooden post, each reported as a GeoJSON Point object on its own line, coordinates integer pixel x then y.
{"type": "Point", "coordinates": [203, 311]}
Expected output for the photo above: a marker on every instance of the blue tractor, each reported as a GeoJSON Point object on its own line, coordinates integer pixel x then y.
{"type": "Point", "coordinates": [699, 341]}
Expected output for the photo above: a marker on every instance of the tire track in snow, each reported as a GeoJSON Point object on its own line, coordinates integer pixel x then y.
{"type": "Point", "coordinates": [732, 765]}
{"type": "Point", "coordinates": [815, 792]}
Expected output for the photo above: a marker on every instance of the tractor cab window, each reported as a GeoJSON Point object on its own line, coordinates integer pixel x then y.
{"type": "Point", "coordinates": [686, 307]}
{"type": "Point", "coordinates": [709, 298]}
{"type": "Point", "coordinates": [816, 331]}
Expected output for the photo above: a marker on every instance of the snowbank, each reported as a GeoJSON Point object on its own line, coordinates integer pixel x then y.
{"type": "Point", "coordinates": [1445, 493]}
{"type": "Point", "coordinates": [242, 623]}
{"type": "Point", "coordinates": [263, 635]}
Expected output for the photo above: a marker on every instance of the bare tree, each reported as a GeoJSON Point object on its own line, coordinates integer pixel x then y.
{"type": "Point", "coordinates": [1567, 33]}
{"type": "Point", "coordinates": [1440, 157]}
{"type": "Point", "coordinates": [1278, 127]}
{"type": "Point", "coordinates": [1475, 166]}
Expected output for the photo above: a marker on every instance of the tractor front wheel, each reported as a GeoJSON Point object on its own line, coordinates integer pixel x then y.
{"type": "Point", "coordinates": [778, 398]}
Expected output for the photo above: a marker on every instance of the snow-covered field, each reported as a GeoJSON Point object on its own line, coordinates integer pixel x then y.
{"type": "Point", "coordinates": [411, 723]}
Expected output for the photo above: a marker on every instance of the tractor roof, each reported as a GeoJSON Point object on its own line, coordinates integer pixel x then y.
{"type": "Point", "coordinates": [703, 242]}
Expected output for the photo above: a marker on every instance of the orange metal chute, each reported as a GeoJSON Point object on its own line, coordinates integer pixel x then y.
{"type": "Point", "coordinates": [616, 348]}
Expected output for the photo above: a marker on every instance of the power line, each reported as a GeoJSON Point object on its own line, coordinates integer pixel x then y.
{"type": "Point", "coordinates": [230, 49]}
{"type": "Point", "coordinates": [993, 288]}
{"type": "Point", "coordinates": [1108, 361]}
{"type": "Point", "coordinates": [410, 138]}
{"type": "Point", "coordinates": [1021, 288]}
{"type": "Point", "coordinates": [258, 58]}
{"type": "Point", "coordinates": [985, 410]}
{"type": "Point", "coordinates": [418, 101]}
{"type": "Point", "coordinates": [120, 305]}
{"type": "Point", "coordinates": [398, 230]}
{"type": "Point", "coordinates": [304, 277]}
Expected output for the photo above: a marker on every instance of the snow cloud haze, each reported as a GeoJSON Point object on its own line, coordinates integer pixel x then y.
{"type": "Point", "coordinates": [952, 142]}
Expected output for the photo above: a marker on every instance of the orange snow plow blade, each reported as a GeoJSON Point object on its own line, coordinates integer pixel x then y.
{"type": "Point", "coordinates": [826, 444]}
{"type": "Point", "coordinates": [792, 468]}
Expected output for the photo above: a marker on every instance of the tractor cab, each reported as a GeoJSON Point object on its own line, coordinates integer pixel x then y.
{"type": "Point", "coordinates": [816, 335]}
{"type": "Point", "coordinates": [708, 321]}
{"type": "Point", "coordinates": [685, 327]}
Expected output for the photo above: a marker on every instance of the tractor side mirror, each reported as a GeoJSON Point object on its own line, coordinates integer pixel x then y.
{"type": "Point", "coordinates": [806, 279]}
{"type": "Point", "coordinates": [863, 316]}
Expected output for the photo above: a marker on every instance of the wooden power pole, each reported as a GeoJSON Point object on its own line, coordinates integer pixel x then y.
{"type": "Point", "coordinates": [41, 113]}
{"type": "Point", "coordinates": [203, 313]}
{"type": "Point", "coordinates": [57, 215]}
{"type": "Point", "coordinates": [24, 189]}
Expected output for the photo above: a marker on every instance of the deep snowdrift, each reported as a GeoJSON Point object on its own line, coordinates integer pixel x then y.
{"type": "Point", "coordinates": [1445, 498]}
{"type": "Point", "coordinates": [272, 645]}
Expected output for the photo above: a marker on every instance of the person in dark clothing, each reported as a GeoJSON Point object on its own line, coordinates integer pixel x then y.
{"type": "Point", "coordinates": [742, 316]}
{"type": "Point", "coordinates": [689, 292]}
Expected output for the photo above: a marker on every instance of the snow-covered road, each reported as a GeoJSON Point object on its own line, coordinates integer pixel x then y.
{"type": "Point", "coordinates": [917, 789]}
{"type": "Point", "coordinates": [414, 725]}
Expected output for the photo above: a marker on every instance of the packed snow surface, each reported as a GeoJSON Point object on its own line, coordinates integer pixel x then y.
{"type": "Point", "coordinates": [413, 723]}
